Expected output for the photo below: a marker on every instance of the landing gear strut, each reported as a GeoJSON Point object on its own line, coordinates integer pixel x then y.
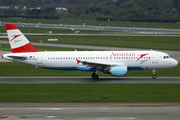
{"type": "Point", "coordinates": [154, 76]}
{"type": "Point", "coordinates": [95, 76]}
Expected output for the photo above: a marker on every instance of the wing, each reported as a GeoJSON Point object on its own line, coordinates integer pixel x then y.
{"type": "Point", "coordinates": [100, 65]}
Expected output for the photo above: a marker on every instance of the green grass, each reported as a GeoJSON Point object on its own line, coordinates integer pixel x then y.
{"type": "Point", "coordinates": [96, 23]}
{"type": "Point", "coordinates": [89, 92]}
{"type": "Point", "coordinates": [162, 43]}
{"type": "Point", "coordinates": [17, 69]}
{"type": "Point", "coordinates": [5, 47]}
{"type": "Point", "coordinates": [166, 43]}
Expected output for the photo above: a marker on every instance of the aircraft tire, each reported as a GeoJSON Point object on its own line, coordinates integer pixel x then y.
{"type": "Point", "coordinates": [154, 76]}
{"type": "Point", "coordinates": [95, 76]}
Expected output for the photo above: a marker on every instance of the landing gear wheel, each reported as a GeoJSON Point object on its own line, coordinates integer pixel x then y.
{"type": "Point", "coordinates": [153, 72]}
{"type": "Point", "coordinates": [154, 76]}
{"type": "Point", "coordinates": [95, 76]}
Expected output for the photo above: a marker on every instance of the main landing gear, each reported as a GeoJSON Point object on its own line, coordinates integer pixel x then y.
{"type": "Point", "coordinates": [95, 76]}
{"type": "Point", "coordinates": [154, 76]}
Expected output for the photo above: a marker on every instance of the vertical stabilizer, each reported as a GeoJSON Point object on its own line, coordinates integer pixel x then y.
{"type": "Point", "coordinates": [19, 43]}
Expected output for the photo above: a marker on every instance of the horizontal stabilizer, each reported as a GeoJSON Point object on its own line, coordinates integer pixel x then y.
{"type": "Point", "coordinates": [18, 57]}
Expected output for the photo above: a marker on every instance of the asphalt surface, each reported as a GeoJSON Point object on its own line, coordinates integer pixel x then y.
{"type": "Point", "coordinates": [103, 28]}
{"type": "Point", "coordinates": [90, 111]}
{"type": "Point", "coordinates": [36, 80]}
{"type": "Point", "coordinates": [108, 34]}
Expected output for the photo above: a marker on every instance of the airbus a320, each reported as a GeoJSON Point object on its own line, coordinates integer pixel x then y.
{"type": "Point", "coordinates": [116, 63]}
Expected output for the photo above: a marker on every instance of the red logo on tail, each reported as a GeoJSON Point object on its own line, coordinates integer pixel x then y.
{"type": "Point", "coordinates": [15, 36]}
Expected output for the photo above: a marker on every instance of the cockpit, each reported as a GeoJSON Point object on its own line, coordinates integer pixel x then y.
{"type": "Point", "coordinates": [166, 57]}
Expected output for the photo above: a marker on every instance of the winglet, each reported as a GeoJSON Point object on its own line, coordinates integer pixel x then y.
{"type": "Point", "coordinates": [18, 42]}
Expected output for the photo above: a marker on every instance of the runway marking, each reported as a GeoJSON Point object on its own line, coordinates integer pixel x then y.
{"type": "Point", "coordinates": [52, 116]}
{"type": "Point", "coordinates": [139, 104]}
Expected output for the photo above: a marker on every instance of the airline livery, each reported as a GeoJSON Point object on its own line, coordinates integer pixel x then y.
{"type": "Point", "coordinates": [116, 63]}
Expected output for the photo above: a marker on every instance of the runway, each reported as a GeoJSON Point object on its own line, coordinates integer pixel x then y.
{"type": "Point", "coordinates": [90, 111]}
{"type": "Point", "coordinates": [103, 28]}
{"type": "Point", "coordinates": [108, 34]}
{"type": "Point", "coordinates": [38, 80]}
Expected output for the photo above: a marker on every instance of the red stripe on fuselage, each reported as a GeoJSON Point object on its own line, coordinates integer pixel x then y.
{"type": "Point", "coordinates": [26, 48]}
{"type": "Point", "coordinates": [10, 27]}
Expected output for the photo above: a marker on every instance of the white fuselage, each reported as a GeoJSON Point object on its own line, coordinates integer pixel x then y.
{"type": "Point", "coordinates": [134, 60]}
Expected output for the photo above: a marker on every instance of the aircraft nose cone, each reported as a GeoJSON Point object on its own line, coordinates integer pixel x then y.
{"type": "Point", "coordinates": [175, 62]}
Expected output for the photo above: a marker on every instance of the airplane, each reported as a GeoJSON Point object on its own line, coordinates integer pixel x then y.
{"type": "Point", "coordinates": [116, 63]}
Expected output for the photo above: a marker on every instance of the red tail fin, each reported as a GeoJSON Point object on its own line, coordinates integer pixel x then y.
{"type": "Point", "coordinates": [19, 43]}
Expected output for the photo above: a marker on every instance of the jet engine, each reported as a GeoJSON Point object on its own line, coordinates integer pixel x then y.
{"type": "Point", "coordinates": [117, 71]}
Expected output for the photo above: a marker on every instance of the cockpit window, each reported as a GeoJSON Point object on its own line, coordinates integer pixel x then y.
{"type": "Point", "coordinates": [166, 57]}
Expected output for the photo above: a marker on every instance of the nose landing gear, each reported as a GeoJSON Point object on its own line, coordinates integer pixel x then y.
{"type": "Point", "coordinates": [153, 72]}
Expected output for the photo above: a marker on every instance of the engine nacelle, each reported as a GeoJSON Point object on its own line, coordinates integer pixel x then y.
{"type": "Point", "coordinates": [118, 71]}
